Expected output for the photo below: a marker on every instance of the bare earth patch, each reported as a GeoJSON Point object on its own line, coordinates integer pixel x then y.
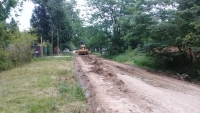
{"type": "Point", "coordinates": [113, 87]}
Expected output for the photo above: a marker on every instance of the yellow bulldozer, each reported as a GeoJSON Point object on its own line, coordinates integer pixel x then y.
{"type": "Point", "coordinates": [82, 49]}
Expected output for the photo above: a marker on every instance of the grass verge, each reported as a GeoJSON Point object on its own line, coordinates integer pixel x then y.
{"type": "Point", "coordinates": [45, 85]}
{"type": "Point", "coordinates": [158, 65]}
{"type": "Point", "coordinates": [134, 58]}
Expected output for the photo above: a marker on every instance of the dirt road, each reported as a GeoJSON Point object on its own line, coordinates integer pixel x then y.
{"type": "Point", "coordinates": [113, 87]}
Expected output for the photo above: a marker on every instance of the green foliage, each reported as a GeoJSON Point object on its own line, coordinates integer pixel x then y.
{"type": "Point", "coordinates": [14, 45]}
{"type": "Point", "coordinates": [106, 19]}
{"type": "Point", "coordinates": [118, 24]}
{"type": "Point", "coordinates": [19, 51]}
{"type": "Point", "coordinates": [41, 22]}
{"type": "Point", "coordinates": [144, 61]}
{"type": "Point", "coordinates": [5, 7]}
{"type": "Point", "coordinates": [95, 37]}
{"type": "Point", "coordinates": [16, 48]}
{"type": "Point", "coordinates": [5, 36]}
{"type": "Point", "coordinates": [47, 48]}
{"type": "Point", "coordinates": [5, 62]}
{"type": "Point", "coordinates": [150, 25]}
{"type": "Point", "coordinates": [56, 21]}
{"type": "Point", "coordinates": [71, 46]}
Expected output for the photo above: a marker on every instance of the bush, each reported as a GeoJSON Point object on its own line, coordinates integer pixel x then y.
{"type": "Point", "coordinates": [19, 54]}
{"type": "Point", "coordinates": [49, 48]}
{"type": "Point", "coordinates": [17, 50]}
{"type": "Point", "coordinates": [5, 63]}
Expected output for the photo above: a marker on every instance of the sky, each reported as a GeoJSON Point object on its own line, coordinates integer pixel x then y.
{"type": "Point", "coordinates": [24, 19]}
{"type": "Point", "coordinates": [25, 15]}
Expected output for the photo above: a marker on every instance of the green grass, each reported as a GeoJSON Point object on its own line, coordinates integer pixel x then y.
{"type": "Point", "coordinates": [134, 58]}
{"type": "Point", "coordinates": [143, 61]}
{"type": "Point", "coordinates": [66, 57]}
{"type": "Point", "coordinates": [72, 92]}
{"type": "Point", "coordinates": [96, 53]}
{"type": "Point", "coordinates": [43, 105]}
{"type": "Point", "coordinates": [47, 85]}
{"type": "Point", "coordinates": [155, 64]}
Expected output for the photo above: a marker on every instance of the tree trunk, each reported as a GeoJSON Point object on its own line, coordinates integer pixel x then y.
{"type": "Point", "coordinates": [52, 40]}
{"type": "Point", "coordinates": [100, 49]}
{"type": "Point", "coordinates": [58, 49]}
{"type": "Point", "coordinates": [59, 37]}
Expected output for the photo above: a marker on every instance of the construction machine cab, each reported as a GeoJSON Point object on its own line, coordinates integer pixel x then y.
{"type": "Point", "coordinates": [82, 48]}
{"type": "Point", "coordinates": [82, 44]}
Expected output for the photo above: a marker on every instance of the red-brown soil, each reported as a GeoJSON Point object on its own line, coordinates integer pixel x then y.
{"type": "Point", "coordinates": [113, 87]}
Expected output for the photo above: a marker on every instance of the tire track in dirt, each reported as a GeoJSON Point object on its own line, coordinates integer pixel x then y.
{"type": "Point", "coordinates": [155, 79]}
{"type": "Point", "coordinates": [117, 88]}
{"type": "Point", "coordinates": [108, 97]}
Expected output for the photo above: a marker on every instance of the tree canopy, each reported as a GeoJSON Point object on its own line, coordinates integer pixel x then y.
{"type": "Point", "coordinates": [55, 21]}
{"type": "Point", "coordinates": [116, 26]}
{"type": "Point", "coordinates": [155, 23]}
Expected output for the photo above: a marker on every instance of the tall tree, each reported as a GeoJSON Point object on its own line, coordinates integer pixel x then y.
{"type": "Point", "coordinates": [188, 20]}
{"type": "Point", "coordinates": [60, 21]}
{"type": "Point", "coordinates": [5, 7]}
{"type": "Point", "coordinates": [54, 20]}
{"type": "Point", "coordinates": [108, 13]}
{"type": "Point", "coordinates": [40, 20]}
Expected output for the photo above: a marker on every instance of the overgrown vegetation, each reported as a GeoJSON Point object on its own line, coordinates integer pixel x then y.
{"type": "Point", "coordinates": [42, 86]}
{"type": "Point", "coordinates": [14, 45]}
{"type": "Point", "coordinates": [143, 23]}
{"type": "Point", "coordinates": [166, 31]}
{"type": "Point", "coordinates": [135, 58]}
{"type": "Point", "coordinates": [158, 64]}
{"type": "Point", "coordinates": [17, 52]}
{"type": "Point", "coordinates": [57, 22]}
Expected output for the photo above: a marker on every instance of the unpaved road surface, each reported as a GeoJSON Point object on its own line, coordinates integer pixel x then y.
{"type": "Point", "coordinates": [113, 87]}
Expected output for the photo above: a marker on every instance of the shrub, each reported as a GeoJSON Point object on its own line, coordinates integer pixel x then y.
{"type": "Point", "coordinates": [19, 53]}
{"type": "Point", "coordinates": [4, 61]}
{"type": "Point", "coordinates": [17, 50]}
{"type": "Point", "coordinates": [49, 48]}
